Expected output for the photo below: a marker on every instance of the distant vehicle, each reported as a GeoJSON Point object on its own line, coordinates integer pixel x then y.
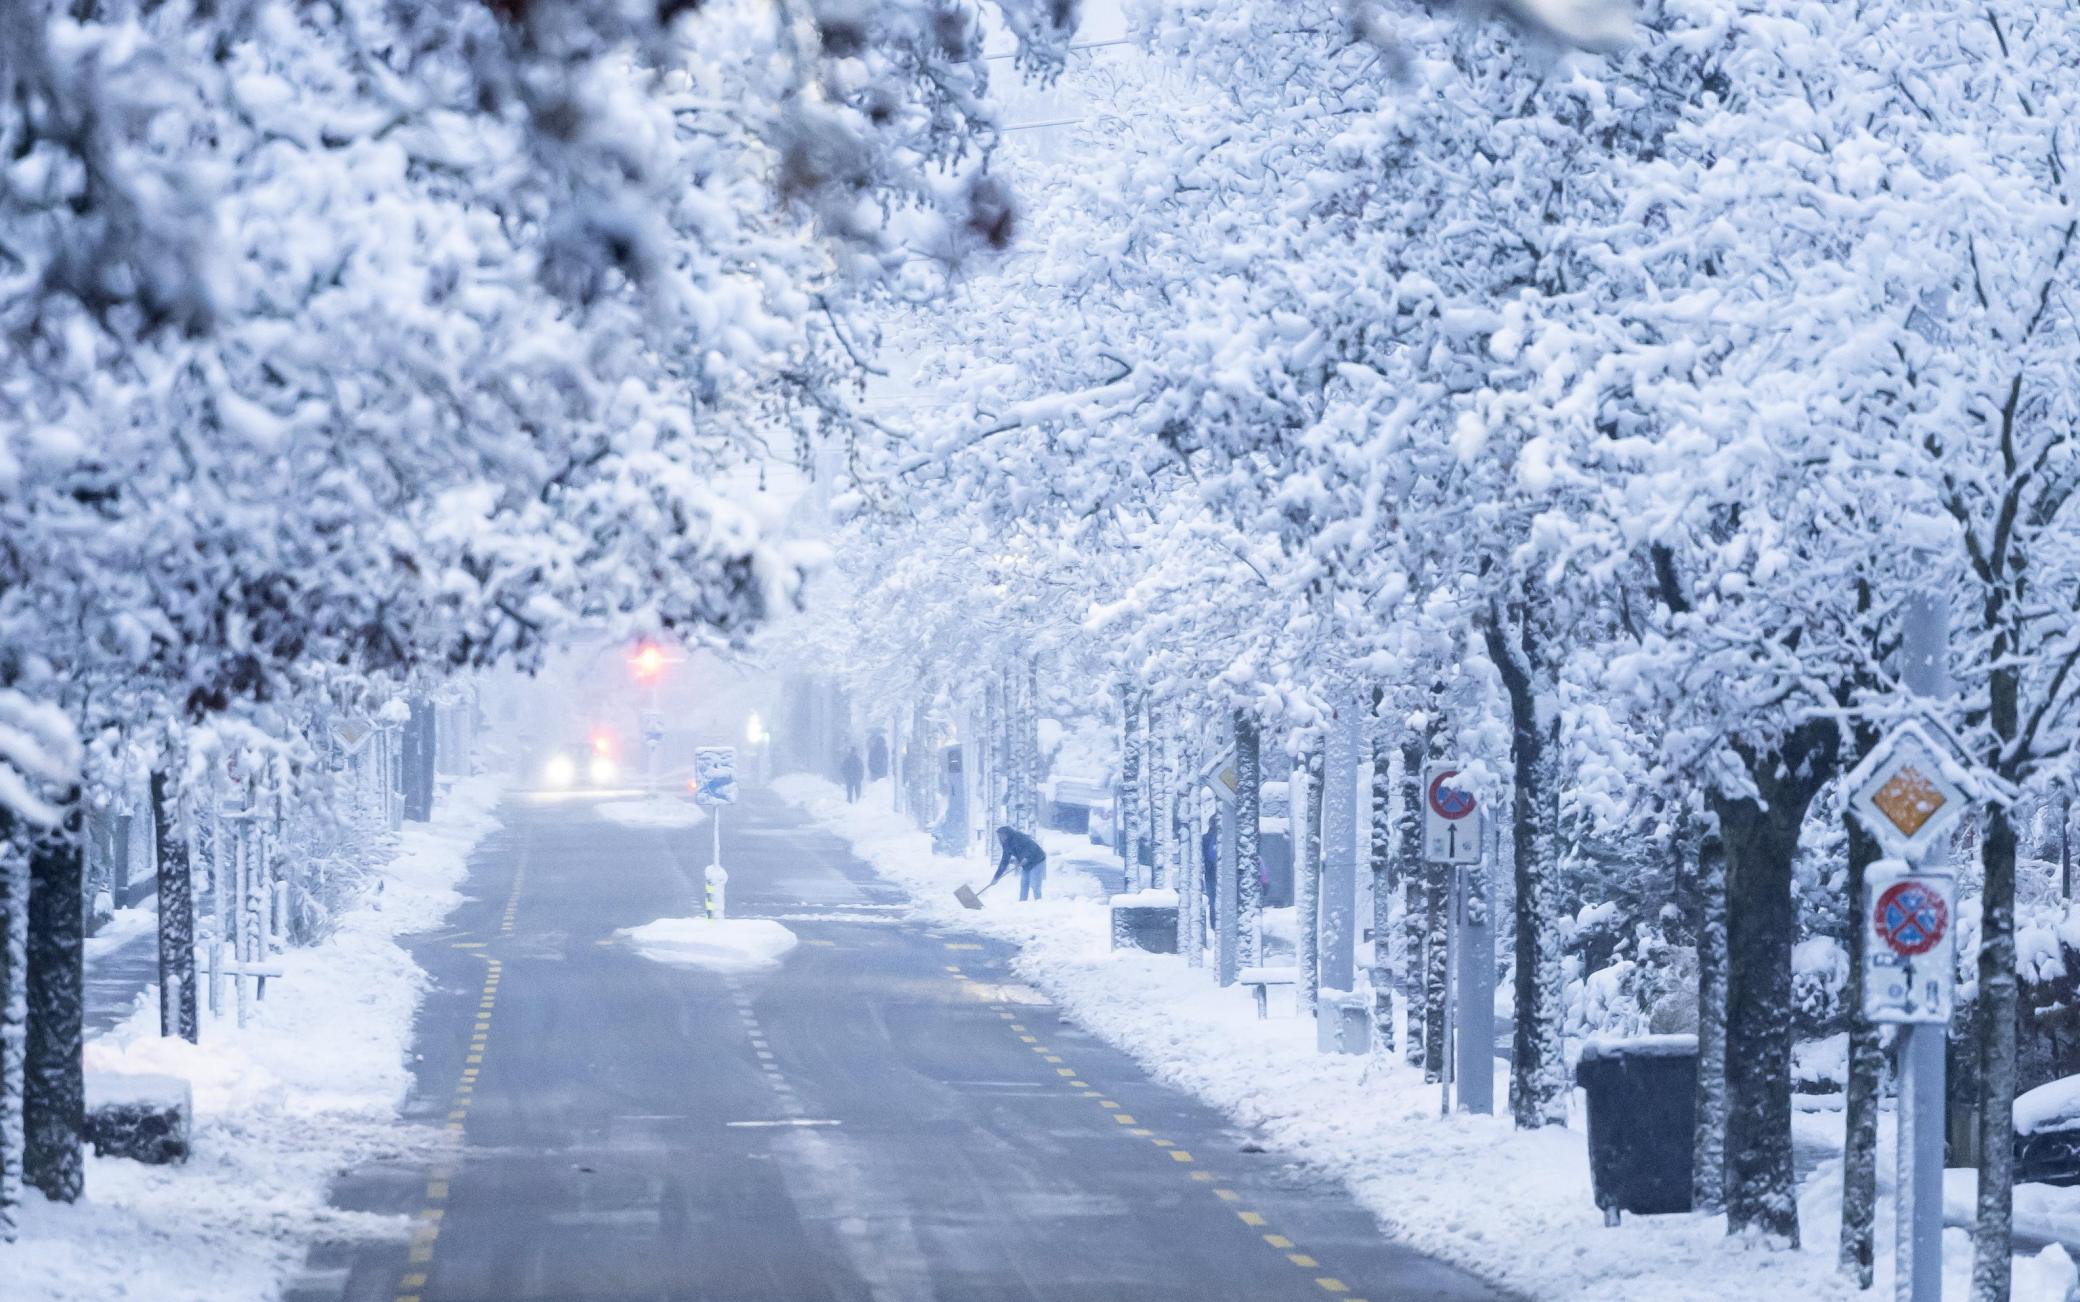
{"type": "Point", "coordinates": [2047, 1133]}
{"type": "Point", "coordinates": [592, 764]}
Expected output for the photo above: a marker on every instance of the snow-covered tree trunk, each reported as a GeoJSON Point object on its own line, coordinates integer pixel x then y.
{"type": "Point", "coordinates": [1408, 849]}
{"type": "Point", "coordinates": [1760, 831]}
{"type": "Point", "coordinates": [176, 919]}
{"type": "Point", "coordinates": [54, 1098]}
{"type": "Point", "coordinates": [1306, 806]}
{"type": "Point", "coordinates": [1129, 802]}
{"type": "Point", "coordinates": [1159, 754]}
{"type": "Point", "coordinates": [1249, 925]}
{"type": "Point", "coordinates": [1866, 1071]}
{"type": "Point", "coordinates": [1436, 954]}
{"type": "Point", "coordinates": [1381, 852]}
{"type": "Point", "coordinates": [1538, 1071]}
{"type": "Point", "coordinates": [1993, 1230]}
{"type": "Point", "coordinates": [14, 1019]}
{"type": "Point", "coordinates": [1036, 763]}
{"type": "Point", "coordinates": [1708, 1149]}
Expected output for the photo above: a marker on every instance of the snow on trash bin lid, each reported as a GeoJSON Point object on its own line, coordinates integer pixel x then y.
{"type": "Point", "coordinates": [1600, 1047]}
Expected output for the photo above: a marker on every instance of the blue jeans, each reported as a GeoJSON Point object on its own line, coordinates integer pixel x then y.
{"type": "Point", "coordinates": [1029, 879]}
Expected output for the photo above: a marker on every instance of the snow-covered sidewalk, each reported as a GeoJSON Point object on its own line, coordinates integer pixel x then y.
{"type": "Point", "coordinates": [1513, 1206]}
{"type": "Point", "coordinates": [311, 1086]}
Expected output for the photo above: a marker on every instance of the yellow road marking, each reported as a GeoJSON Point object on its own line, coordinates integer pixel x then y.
{"type": "Point", "coordinates": [1123, 1118]}
{"type": "Point", "coordinates": [1063, 1071]}
{"type": "Point", "coordinates": [1250, 1218]}
{"type": "Point", "coordinates": [1049, 1057]}
{"type": "Point", "coordinates": [1107, 1103]}
{"type": "Point", "coordinates": [1227, 1195]}
{"type": "Point", "coordinates": [1202, 1175]}
{"type": "Point", "coordinates": [1164, 1143]}
{"type": "Point", "coordinates": [1029, 1039]}
{"type": "Point", "coordinates": [1302, 1260]}
{"type": "Point", "coordinates": [436, 1188]}
{"type": "Point", "coordinates": [1278, 1241]}
{"type": "Point", "coordinates": [1081, 1085]}
{"type": "Point", "coordinates": [1141, 1133]}
{"type": "Point", "coordinates": [1333, 1285]}
{"type": "Point", "coordinates": [1179, 1155]}
{"type": "Point", "coordinates": [413, 1280]}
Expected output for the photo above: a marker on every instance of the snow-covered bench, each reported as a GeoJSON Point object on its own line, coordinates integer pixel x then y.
{"type": "Point", "coordinates": [1261, 979]}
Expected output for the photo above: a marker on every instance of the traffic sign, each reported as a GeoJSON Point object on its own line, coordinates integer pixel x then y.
{"type": "Point", "coordinates": [1910, 790]}
{"type": "Point", "coordinates": [652, 725]}
{"type": "Point", "coordinates": [1908, 938]}
{"type": "Point", "coordinates": [352, 733]}
{"type": "Point", "coordinates": [715, 775]}
{"type": "Point", "coordinates": [1451, 817]}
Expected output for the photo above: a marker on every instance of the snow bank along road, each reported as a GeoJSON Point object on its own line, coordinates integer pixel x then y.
{"type": "Point", "coordinates": [883, 1114]}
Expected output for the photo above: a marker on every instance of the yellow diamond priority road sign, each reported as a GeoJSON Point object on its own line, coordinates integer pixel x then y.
{"type": "Point", "coordinates": [1909, 790]}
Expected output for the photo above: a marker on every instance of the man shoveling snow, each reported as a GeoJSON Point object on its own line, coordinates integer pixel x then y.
{"type": "Point", "coordinates": [1021, 850]}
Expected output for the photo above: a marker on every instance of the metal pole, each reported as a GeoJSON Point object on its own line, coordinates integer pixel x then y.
{"type": "Point", "coordinates": [1918, 1266]}
{"type": "Point", "coordinates": [1448, 1053]}
{"type": "Point", "coordinates": [1473, 1002]}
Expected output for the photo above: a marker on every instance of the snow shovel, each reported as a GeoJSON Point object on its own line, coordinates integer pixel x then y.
{"type": "Point", "coordinates": [972, 899]}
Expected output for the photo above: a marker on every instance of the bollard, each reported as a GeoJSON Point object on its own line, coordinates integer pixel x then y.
{"type": "Point", "coordinates": [718, 884]}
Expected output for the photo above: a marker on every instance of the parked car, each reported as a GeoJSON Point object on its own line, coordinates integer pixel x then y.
{"type": "Point", "coordinates": [2047, 1133]}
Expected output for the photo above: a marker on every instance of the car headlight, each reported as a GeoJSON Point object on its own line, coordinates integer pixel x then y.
{"type": "Point", "coordinates": [601, 771]}
{"type": "Point", "coordinates": [559, 772]}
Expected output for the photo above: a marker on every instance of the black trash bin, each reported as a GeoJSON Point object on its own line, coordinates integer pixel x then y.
{"type": "Point", "coordinates": [1642, 1115]}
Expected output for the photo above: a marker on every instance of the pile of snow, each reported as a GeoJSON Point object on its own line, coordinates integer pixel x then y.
{"type": "Point", "coordinates": [655, 811]}
{"type": "Point", "coordinates": [311, 1086]}
{"type": "Point", "coordinates": [728, 945]}
{"type": "Point", "coordinates": [1513, 1206]}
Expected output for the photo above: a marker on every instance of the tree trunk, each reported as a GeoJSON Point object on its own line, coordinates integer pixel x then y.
{"type": "Point", "coordinates": [54, 1099]}
{"type": "Point", "coordinates": [1249, 925]}
{"type": "Point", "coordinates": [1538, 1070]}
{"type": "Point", "coordinates": [1129, 803]}
{"type": "Point", "coordinates": [14, 1011]}
{"type": "Point", "coordinates": [1382, 860]}
{"type": "Point", "coordinates": [1992, 1233]}
{"type": "Point", "coordinates": [1436, 887]}
{"type": "Point", "coordinates": [1307, 880]}
{"type": "Point", "coordinates": [1761, 837]}
{"type": "Point", "coordinates": [1409, 851]}
{"type": "Point", "coordinates": [1708, 1149]}
{"type": "Point", "coordinates": [1866, 1076]}
{"type": "Point", "coordinates": [176, 920]}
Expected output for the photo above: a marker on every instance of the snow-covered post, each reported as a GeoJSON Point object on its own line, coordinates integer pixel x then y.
{"type": "Point", "coordinates": [1306, 805]}
{"type": "Point", "coordinates": [176, 907]}
{"type": "Point", "coordinates": [53, 1072]}
{"type": "Point", "coordinates": [1249, 786]}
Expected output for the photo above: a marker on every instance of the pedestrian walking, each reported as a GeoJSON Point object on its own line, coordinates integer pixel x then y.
{"type": "Point", "coordinates": [853, 771]}
{"type": "Point", "coordinates": [877, 757]}
{"type": "Point", "coordinates": [1210, 859]}
{"type": "Point", "coordinates": [1025, 852]}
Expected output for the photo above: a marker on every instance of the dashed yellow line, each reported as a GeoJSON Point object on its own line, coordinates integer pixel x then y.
{"type": "Point", "coordinates": [439, 1181]}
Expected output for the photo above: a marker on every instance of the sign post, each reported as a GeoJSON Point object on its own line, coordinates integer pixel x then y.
{"type": "Point", "coordinates": [1910, 791]}
{"type": "Point", "coordinates": [715, 785]}
{"type": "Point", "coordinates": [1452, 835]}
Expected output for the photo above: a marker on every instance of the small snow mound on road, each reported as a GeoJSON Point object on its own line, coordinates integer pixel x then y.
{"type": "Point", "coordinates": [717, 944]}
{"type": "Point", "coordinates": [657, 811]}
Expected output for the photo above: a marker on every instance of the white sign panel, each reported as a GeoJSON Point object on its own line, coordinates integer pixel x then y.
{"type": "Point", "coordinates": [1909, 922]}
{"type": "Point", "coordinates": [1451, 817]}
{"type": "Point", "coordinates": [652, 727]}
{"type": "Point", "coordinates": [1908, 791]}
{"type": "Point", "coordinates": [715, 775]}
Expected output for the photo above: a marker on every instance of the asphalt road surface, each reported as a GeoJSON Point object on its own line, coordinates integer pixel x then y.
{"type": "Point", "coordinates": [886, 1116]}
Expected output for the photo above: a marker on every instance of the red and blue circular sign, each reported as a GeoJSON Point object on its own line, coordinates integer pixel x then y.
{"type": "Point", "coordinates": [1448, 801]}
{"type": "Point", "coordinates": [1911, 918]}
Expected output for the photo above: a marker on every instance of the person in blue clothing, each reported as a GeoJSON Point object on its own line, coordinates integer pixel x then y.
{"type": "Point", "coordinates": [1210, 854]}
{"type": "Point", "coordinates": [1024, 851]}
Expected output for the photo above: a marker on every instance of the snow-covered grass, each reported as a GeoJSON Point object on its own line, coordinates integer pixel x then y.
{"type": "Point", "coordinates": [653, 811]}
{"type": "Point", "coordinates": [717, 944]}
{"type": "Point", "coordinates": [1513, 1206]}
{"type": "Point", "coordinates": [312, 1085]}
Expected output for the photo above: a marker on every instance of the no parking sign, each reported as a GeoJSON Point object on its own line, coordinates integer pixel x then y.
{"type": "Point", "coordinates": [1451, 817]}
{"type": "Point", "coordinates": [1909, 928]}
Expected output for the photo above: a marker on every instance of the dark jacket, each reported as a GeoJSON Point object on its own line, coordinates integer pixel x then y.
{"type": "Point", "coordinates": [1019, 849]}
{"type": "Point", "coordinates": [850, 766]}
